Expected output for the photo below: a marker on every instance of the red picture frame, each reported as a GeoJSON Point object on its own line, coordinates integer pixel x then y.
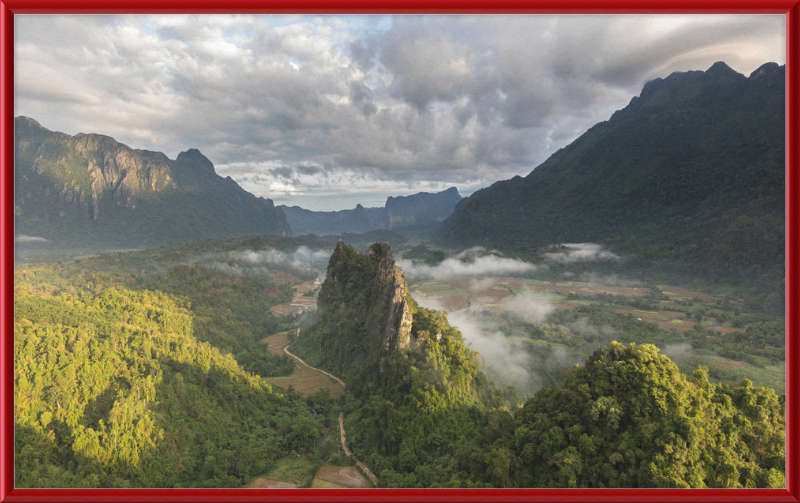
{"type": "Point", "coordinates": [791, 8]}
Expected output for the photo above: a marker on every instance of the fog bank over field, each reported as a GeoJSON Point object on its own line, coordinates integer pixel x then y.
{"type": "Point", "coordinates": [580, 252]}
{"type": "Point", "coordinates": [252, 262]}
{"type": "Point", "coordinates": [476, 261]}
{"type": "Point", "coordinates": [505, 355]}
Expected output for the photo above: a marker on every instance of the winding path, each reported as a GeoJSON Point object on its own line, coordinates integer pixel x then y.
{"type": "Point", "coordinates": [347, 451]}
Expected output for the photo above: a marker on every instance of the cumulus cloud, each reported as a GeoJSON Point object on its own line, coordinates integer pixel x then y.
{"type": "Point", "coordinates": [580, 252]}
{"type": "Point", "coordinates": [476, 261]}
{"type": "Point", "coordinates": [458, 100]}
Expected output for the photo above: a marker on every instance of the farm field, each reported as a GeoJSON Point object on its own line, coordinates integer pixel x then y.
{"type": "Point", "coordinates": [288, 473]}
{"type": "Point", "coordinates": [330, 476]}
{"type": "Point", "coordinates": [300, 302]}
{"type": "Point", "coordinates": [304, 379]}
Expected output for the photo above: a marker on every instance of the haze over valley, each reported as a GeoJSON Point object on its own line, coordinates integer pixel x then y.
{"type": "Point", "coordinates": [399, 251]}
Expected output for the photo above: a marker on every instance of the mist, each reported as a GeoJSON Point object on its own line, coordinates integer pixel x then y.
{"type": "Point", "coordinates": [580, 252]}
{"type": "Point", "coordinates": [476, 261]}
{"type": "Point", "coordinates": [30, 239]}
{"type": "Point", "coordinates": [261, 262]}
{"type": "Point", "coordinates": [302, 257]}
{"type": "Point", "coordinates": [583, 328]}
{"type": "Point", "coordinates": [507, 358]}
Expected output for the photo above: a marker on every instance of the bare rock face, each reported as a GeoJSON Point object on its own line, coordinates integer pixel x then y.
{"type": "Point", "coordinates": [390, 284]}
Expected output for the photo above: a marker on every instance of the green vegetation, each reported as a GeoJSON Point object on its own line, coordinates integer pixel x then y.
{"type": "Point", "coordinates": [113, 390]}
{"type": "Point", "coordinates": [423, 414]}
{"type": "Point", "coordinates": [143, 370]}
{"type": "Point", "coordinates": [629, 418]}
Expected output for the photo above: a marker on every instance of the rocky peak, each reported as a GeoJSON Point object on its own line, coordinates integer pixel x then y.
{"type": "Point", "coordinates": [766, 70]}
{"type": "Point", "coordinates": [352, 275]}
{"type": "Point", "coordinates": [26, 122]}
{"type": "Point", "coordinates": [194, 156]}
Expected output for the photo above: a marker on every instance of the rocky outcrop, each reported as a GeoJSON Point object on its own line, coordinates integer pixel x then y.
{"type": "Point", "coordinates": [373, 281]}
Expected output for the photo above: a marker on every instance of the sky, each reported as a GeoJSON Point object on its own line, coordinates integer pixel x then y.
{"type": "Point", "coordinates": [325, 112]}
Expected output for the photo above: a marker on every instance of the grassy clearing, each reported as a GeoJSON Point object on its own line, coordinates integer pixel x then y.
{"type": "Point", "coordinates": [288, 469]}
{"type": "Point", "coordinates": [773, 376]}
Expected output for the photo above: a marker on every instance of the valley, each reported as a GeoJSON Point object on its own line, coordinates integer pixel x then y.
{"type": "Point", "coordinates": [523, 310]}
{"type": "Point", "coordinates": [579, 327]}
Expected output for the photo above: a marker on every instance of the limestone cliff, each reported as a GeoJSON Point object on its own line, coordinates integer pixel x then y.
{"type": "Point", "coordinates": [369, 332]}
{"type": "Point", "coordinates": [381, 288]}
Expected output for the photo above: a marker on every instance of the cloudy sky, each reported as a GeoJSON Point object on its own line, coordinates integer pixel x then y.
{"type": "Point", "coordinates": [325, 112]}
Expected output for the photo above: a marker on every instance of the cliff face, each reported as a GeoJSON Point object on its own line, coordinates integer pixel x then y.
{"type": "Point", "coordinates": [90, 190]}
{"type": "Point", "coordinates": [85, 168]}
{"type": "Point", "coordinates": [372, 281]}
{"type": "Point", "coordinates": [420, 208]}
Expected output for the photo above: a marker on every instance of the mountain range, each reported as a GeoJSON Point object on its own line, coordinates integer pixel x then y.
{"type": "Point", "coordinates": [90, 190]}
{"type": "Point", "coordinates": [689, 176]}
{"type": "Point", "coordinates": [400, 211]}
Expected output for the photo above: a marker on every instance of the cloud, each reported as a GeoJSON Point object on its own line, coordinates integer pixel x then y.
{"type": "Point", "coordinates": [249, 262]}
{"type": "Point", "coordinates": [477, 261]}
{"type": "Point", "coordinates": [30, 239]}
{"type": "Point", "coordinates": [528, 309]}
{"type": "Point", "coordinates": [609, 280]}
{"type": "Point", "coordinates": [461, 100]}
{"type": "Point", "coordinates": [678, 352]}
{"type": "Point", "coordinates": [580, 252]}
{"type": "Point", "coordinates": [583, 328]}
{"type": "Point", "coordinates": [504, 359]}
{"type": "Point", "coordinates": [507, 357]}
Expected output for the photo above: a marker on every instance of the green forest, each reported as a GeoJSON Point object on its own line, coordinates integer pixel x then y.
{"type": "Point", "coordinates": [143, 369]}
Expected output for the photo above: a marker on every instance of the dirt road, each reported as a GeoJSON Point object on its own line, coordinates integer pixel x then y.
{"type": "Point", "coordinates": [347, 451]}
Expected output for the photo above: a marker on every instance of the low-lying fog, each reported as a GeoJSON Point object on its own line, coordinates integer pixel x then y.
{"type": "Point", "coordinates": [507, 358]}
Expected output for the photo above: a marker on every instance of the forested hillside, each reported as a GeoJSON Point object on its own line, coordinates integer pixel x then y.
{"type": "Point", "coordinates": [687, 179]}
{"type": "Point", "coordinates": [144, 369]}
